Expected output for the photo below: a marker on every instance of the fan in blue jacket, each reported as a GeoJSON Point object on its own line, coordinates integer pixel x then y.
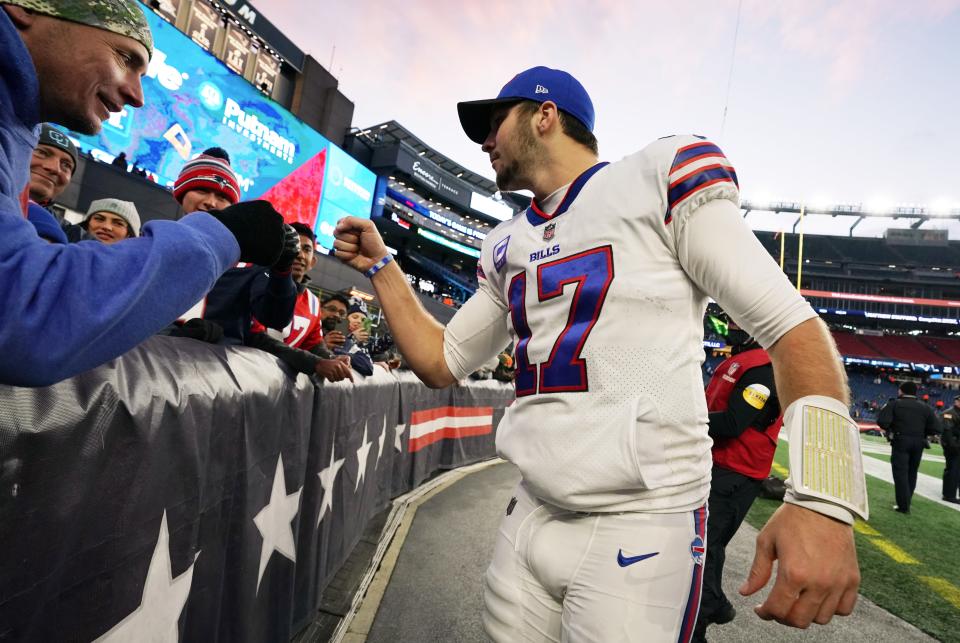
{"type": "Point", "coordinates": [73, 62]}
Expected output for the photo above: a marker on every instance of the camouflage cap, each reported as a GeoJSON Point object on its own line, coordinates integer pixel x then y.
{"type": "Point", "coordinates": [119, 16]}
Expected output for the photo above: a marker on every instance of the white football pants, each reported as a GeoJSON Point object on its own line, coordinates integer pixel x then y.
{"type": "Point", "coordinates": [559, 575]}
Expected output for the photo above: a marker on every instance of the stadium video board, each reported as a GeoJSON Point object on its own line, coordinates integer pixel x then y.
{"type": "Point", "coordinates": [194, 101]}
{"type": "Point", "coordinates": [348, 190]}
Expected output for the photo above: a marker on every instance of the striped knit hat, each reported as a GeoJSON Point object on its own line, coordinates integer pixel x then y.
{"type": "Point", "coordinates": [207, 173]}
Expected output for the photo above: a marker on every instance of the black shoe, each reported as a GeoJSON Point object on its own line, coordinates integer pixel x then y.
{"type": "Point", "coordinates": [699, 633]}
{"type": "Point", "coordinates": [724, 615]}
{"type": "Point", "coordinates": [899, 510]}
{"type": "Point", "coordinates": [954, 501]}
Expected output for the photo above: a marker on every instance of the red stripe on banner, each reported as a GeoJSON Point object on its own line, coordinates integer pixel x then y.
{"type": "Point", "coordinates": [418, 417]}
{"type": "Point", "coordinates": [449, 432]}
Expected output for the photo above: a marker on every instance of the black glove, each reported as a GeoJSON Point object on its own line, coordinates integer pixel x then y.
{"type": "Point", "coordinates": [258, 228]}
{"type": "Point", "coordinates": [291, 248]}
{"type": "Point", "coordinates": [202, 329]}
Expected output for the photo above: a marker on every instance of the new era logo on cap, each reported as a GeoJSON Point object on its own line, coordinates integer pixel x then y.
{"type": "Point", "coordinates": [541, 90]}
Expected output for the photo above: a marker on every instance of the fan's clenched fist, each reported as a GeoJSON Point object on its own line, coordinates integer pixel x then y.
{"type": "Point", "coordinates": [357, 243]}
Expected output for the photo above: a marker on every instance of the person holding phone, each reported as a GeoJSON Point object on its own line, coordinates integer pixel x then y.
{"type": "Point", "coordinates": [334, 311]}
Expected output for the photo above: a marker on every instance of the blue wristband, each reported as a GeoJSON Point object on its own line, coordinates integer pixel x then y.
{"type": "Point", "coordinates": [375, 268]}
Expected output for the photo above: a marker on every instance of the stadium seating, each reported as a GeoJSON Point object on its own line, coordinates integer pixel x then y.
{"type": "Point", "coordinates": [948, 348]}
{"type": "Point", "coordinates": [904, 348]}
{"type": "Point", "coordinates": [464, 286]}
{"type": "Point", "coordinates": [851, 345]}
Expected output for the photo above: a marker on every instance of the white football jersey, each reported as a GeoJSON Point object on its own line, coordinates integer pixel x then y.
{"type": "Point", "coordinates": [608, 331]}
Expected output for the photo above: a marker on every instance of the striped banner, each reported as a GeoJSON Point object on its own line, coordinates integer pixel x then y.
{"type": "Point", "coordinates": [448, 422]}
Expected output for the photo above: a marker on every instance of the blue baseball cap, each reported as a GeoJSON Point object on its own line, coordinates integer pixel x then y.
{"type": "Point", "coordinates": [538, 84]}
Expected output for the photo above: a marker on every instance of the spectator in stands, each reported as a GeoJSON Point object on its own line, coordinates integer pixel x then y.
{"type": "Point", "coordinates": [335, 308]}
{"type": "Point", "coordinates": [208, 183]}
{"type": "Point", "coordinates": [358, 322]}
{"type": "Point", "coordinates": [908, 423]}
{"type": "Point", "coordinates": [950, 441]}
{"type": "Point", "coordinates": [120, 161]}
{"type": "Point", "coordinates": [111, 220]}
{"type": "Point", "coordinates": [52, 53]}
{"type": "Point", "coordinates": [52, 165]}
{"type": "Point", "coordinates": [302, 346]}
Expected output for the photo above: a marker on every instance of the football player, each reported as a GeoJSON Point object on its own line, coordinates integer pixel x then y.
{"type": "Point", "coordinates": [602, 284]}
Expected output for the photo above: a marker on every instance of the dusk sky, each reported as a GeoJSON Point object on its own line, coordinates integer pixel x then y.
{"type": "Point", "coordinates": [851, 101]}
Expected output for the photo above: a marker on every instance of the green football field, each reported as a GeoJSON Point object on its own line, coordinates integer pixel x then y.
{"type": "Point", "coordinates": [910, 564]}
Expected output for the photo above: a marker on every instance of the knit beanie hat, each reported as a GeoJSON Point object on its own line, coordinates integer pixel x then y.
{"type": "Point", "coordinates": [124, 209]}
{"type": "Point", "coordinates": [45, 223]}
{"type": "Point", "coordinates": [53, 137]}
{"type": "Point", "coordinates": [357, 305]}
{"type": "Point", "coordinates": [123, 17]}
{"type": "Point", "coordinates": [207, 172]}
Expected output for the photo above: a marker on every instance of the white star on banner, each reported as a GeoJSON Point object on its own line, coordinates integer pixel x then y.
{"type": "Point", "coordinates": [162, 600]}
{"type": "Point", "coordinates": [383, 438]}
{"type": "Point", "coordinates": [362, 454]}
{"type": "Point", "coordinates": [398, 431]}
{"type": "Point", "coordinates": [327, 477]}
{"type": "Point", "coordinates": [273, 521]}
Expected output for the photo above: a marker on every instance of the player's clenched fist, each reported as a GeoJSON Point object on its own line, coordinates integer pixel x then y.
{"type": "Point", "coordinates": [357, 243]}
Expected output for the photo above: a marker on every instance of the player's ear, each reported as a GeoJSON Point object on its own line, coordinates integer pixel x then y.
{"type": "Point", "coordinates": [547, 117]}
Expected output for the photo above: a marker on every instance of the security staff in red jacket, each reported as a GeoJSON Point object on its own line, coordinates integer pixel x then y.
{"type": "Point", "coordinates": [744, 424]}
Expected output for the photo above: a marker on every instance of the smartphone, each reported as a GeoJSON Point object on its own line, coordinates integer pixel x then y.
{"type": "Point", "coordinates": [343, 326]}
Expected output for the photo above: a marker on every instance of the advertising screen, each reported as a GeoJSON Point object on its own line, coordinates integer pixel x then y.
{"type": "Point", "coordinates": [192, 102]}
{"type": "Point", "coordinates": [348, 191]}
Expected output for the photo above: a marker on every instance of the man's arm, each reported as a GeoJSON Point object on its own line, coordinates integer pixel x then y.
{"type": "Point", "coordinates": [332, 369]}
{"type": "Point", "coordinates": [740, 414]}
{"type": "Point", "coordinates": [817, 572]}
{"type": "Point", "coordinates": [58, 320]}
{"type": "Point", "coordinates": [885, 418]}
{"type": "Point", "coordinates": [476, 332]}
{"type": "Point", "coordinates": [933, 424]}
{"type": "Point", "coordinates": [805, 362]}
{"type": "Point", "coordinates": [273, 298]}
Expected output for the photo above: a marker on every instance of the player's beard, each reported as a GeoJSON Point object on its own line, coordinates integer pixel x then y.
{"type": "Point", "coordinates": [515, 175]}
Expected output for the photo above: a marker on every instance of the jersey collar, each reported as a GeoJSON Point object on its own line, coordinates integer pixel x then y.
{"type": "Point", "coordinates": [536, 216]}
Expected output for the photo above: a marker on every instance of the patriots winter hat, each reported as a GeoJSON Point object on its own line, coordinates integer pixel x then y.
{"type": "Point", "coordinates": [53, 137]}
{"type": "Point", "coordinates": [357, 305]}
{"type": "Point", "coordinates": [124, 209]}
{"type": "Point", "coordinates": [538, 84]}
{"type": "Point", "coordinates": [207, 172]}
{"type": "Point", "coordinates": [123, 17]}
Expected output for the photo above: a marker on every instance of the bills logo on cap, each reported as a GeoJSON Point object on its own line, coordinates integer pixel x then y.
{"type": "Point", "coordinates": [549, 231]}
{"type": "Point", "coordinates": [697, 550]}
{"type": "Point", "coordinates": [500, 253]}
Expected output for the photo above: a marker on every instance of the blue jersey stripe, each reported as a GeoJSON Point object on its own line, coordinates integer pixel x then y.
{"type": "Point", "coordinates": [697, 180]}
{"type": "Point", "coordinates": [535, 218]}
